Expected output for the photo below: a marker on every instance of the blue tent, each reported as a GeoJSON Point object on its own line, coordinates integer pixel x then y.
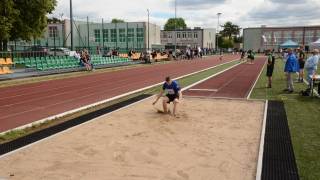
{"type": "Point", "coordinates": [289, 44]}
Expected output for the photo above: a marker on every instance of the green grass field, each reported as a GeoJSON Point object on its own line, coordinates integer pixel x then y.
{"type": "Point", "coordinates": [304, 120]}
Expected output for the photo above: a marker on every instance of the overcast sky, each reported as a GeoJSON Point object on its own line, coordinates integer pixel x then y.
{"type": "Point", "coordinates": [203, 13]}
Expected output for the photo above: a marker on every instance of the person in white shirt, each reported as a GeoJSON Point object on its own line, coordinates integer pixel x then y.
{"type": "Point", "coordinates": [312, 65]}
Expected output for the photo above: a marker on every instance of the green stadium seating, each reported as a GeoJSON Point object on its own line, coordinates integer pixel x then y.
{"type": "Point", "coordinates": [63, 62]}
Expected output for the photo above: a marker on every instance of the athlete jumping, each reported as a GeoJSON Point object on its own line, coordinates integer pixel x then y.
{"type": "Point", "coordinates": [173, 94]}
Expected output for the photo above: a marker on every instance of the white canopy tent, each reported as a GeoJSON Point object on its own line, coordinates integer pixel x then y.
{"type": "Point", "coordinates": [316, 43]}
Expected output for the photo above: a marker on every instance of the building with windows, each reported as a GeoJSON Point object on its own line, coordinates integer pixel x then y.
{"type": "Point", "coordinates": [272, 37]}
{"type": "Point", "coordinates": [54, 36]}
{"type": "Point", "coordinates": [197, 37]}
{"type": "Point", "coordinates": [121, 36]}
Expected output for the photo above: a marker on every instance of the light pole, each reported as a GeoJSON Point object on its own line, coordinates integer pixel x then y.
{"type": "Point", "coordinates": [175, 27]}
{"type": "Point", "coordinates": [218, 14]}
{"type": "Point", "coordinates": [71, 25]}
{"type": "Point", "coordinates": [148, 31]}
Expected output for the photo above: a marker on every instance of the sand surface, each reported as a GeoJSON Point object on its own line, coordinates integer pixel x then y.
{"type": "Point", "coordinates": [212, 139]}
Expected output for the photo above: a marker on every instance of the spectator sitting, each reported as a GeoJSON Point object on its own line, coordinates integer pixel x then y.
{"type": "Point", "coordinates": [154, 55]}
{"type": "Point", "coordinates": [130, 53]}
{"type": "Point", "coordinates": [85, 60]}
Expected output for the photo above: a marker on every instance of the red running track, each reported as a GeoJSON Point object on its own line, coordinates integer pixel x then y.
{"type": "Point", "coordinates": [24, 104]}
{"type": "Point", "coordinates": [234, 83]}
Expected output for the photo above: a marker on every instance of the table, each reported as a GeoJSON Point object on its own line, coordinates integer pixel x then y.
{"type": "Point", "coordinates": [316, 79]}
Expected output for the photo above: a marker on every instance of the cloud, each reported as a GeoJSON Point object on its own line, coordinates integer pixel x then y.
{"type": "Point", "coordinates": [289, 2]}
{"type": "Point", "coordinates": [197, 4]}
{"type": "Point", "coordinates": [273, 12]}
{"type": "Point", "coordinates": [246, 13]}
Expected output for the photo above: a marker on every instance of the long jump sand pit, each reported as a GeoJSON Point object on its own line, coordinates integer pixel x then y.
{"type": "Point", "coordinates": [212, 139]}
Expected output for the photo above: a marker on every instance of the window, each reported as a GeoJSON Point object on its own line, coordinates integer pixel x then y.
{"type": "Point", "coordinates": [268, 36]}
{"type": "Point", "coordinates": [277, 39]}
{"type": "Point", "coordinates": [140, 34]}
{"type": "Point", "coordinates": [97, 35]}
{"type": "Point", "coordinates": [178, 35]}
{"type": "Point", "coordinates": [170, 35]}
{"type": "Point", "coordinates": [130, 34]}
{"type": "Point", "coordinates": [318, 34]}
{"type": "Point", "coordinates": [113, 35]}
{"type": "Point", "coordinates": [184, 35]}
{"type": "Point", "coordinates": [189, 34]}
{"type": "Point", "coordinates": [196, 35]}
{"type": "Point", "coordinates": [105, 34]}
{"type": "Point", "coordinates": [164, 35]}
{"type": "Point", "coordinates": [122, 35]}
{"type": "Point", "coordinates": [298, 36]}
{"type": "Point", "coordinates": [309, 37]}
{"type": "Point", "coordinates": [53, 31]}
{"type": "Point", "coordinates": [287, 35]}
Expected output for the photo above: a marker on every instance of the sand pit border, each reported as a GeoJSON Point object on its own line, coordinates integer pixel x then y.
{"type": "Point", "coordinates": [261, 146]}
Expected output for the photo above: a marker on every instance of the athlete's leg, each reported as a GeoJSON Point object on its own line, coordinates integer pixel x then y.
{"type": "Point", "coordinates": [165, 100]}
{"type": "Point", "coordinates": [175, 106]}
{"type": "Point", "coordinates": [269, 81]}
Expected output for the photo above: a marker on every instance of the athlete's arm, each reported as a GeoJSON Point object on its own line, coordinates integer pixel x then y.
{"type": "Point", "coordinates": [158, 97]}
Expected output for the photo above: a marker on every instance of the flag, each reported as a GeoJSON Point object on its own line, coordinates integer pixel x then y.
{"type": "Point", "coordinates": [264, 38]}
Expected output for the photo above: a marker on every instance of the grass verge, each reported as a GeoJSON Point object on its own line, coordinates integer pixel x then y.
{"type": "Point", "coordinates": [183, 82]}
{"type": "Point", "coordinates": [304, 120]}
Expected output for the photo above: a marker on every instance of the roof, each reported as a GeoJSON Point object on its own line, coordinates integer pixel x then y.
{"type": "Point", "coordinates": [289, 44]}
{"type": "Point", "coordinates": [283, 27]}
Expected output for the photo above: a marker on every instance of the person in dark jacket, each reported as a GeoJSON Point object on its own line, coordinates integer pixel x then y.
{"type": "Point", "coordinates": [270, 67]}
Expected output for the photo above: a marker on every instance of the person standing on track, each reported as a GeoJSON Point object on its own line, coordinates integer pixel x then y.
{"type": "Point", "coordinates": [173, 94]}
{"type": "Point", "coordinates": [243, 54]}
{"type": "Point", "coordinates": [251, 56]}
{"type": "Point", "coordinates": [221, 55]}
{"type": "Point", "coordinates": [270, 67]}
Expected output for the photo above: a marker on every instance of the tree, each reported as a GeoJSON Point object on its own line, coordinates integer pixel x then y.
{"type": "Point", "coordinates": [7, 16]}
{"type": "Point", "coordinates": [173, 24]}
{"type": "Point", "coordinates": [54, 20]}
{"type": "Point", "coordinates": [230, 30]}
{"type": "Point", "coordinates": [115, 20]}
{"type": "Point", "coordinates": [227, 43]}
{"type": "Point", "coordinates": [238, 39]}
{"type": "Point", "coordinates": [23, 19]}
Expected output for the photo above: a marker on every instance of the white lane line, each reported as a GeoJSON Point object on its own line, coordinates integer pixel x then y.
{"type": "Point", "coordinates": [248, 97]}
{"type": "Point", "coordinates": [210, 90]}
{"type": "Point", "coordinates": [261, 147]}
{"type": "Point", "coordinates": [110, 99]}
{"type": "Point", "coordinates": [205, 79]}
